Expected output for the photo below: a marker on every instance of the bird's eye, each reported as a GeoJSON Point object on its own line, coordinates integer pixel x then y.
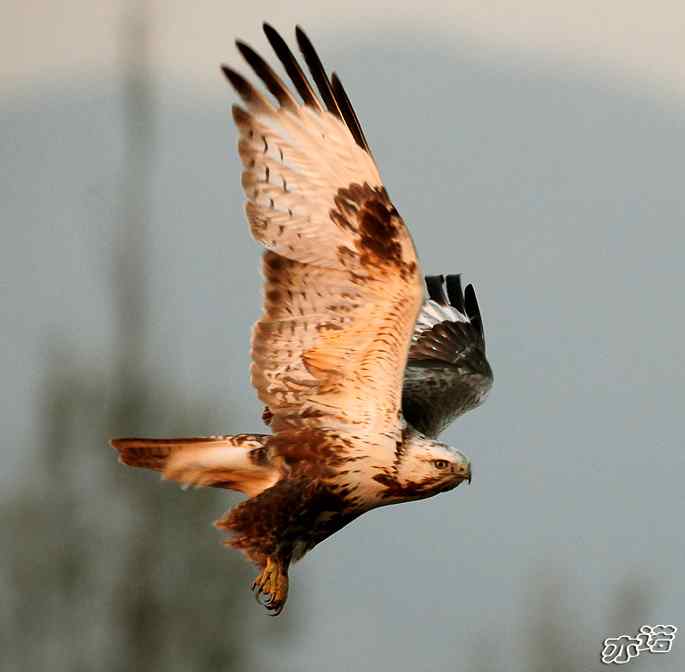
{"type": "Point", "coordinates": [441, 464]}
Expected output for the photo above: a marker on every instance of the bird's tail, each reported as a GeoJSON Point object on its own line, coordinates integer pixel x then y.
{"type": "Point", "coordinates": [238, 462]}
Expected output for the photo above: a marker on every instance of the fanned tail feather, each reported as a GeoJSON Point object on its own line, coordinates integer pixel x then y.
{"type": "Point", "coordinates": [238, 462]}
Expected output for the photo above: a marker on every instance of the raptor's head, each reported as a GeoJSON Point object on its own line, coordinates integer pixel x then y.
{"type": "Point", "coordinates": [424, 468]}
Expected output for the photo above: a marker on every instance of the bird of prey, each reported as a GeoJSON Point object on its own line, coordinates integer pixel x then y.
{"type": "Point", "coordinates": [359, 371]}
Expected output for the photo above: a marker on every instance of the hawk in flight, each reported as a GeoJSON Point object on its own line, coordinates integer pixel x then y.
{"type": "Point", "coordinates": [359, 370]}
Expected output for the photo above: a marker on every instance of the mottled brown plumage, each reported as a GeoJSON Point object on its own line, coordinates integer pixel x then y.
{"type": "Point", "coordinates": [342, 291]}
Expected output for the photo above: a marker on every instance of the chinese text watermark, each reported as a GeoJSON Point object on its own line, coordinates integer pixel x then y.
{"type": "Point", "coordinates": [652, 638]}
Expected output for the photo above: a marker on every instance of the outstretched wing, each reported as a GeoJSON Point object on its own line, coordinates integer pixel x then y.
{"type": "Point", "coordinates": [447, 371]}
{"type": "Point", "coordinates": [342, 284]}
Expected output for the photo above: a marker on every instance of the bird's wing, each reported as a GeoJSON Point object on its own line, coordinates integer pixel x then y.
{"type": "Point", "coordinates": [447, 370]}
{"type": "Point", "coordinates": [342, 283]}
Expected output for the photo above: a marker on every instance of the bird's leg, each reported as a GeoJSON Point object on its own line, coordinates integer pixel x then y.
{"type": "Point", "coordinates": [273, 584]}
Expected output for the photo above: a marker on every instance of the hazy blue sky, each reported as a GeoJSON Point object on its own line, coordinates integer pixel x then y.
{"type": "Point", "coordinates": [556, 187]}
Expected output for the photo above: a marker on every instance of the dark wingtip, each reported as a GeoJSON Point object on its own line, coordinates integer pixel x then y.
{"type": "Point", "coordinates": [463, 300]}
{"type": "Point", "coordinates": [471, 303]}
{"type": "Point", "coordinates": [348, 113]}
{"type": "Point", "coordinates": [332, 91]}
{"type": "Point", "coordinates": [233, 77]}
{"type": "Point", "coordinates": [239, 83]}
{"type": "Point", "coordinates": [318, 72]}
{"type": "Point", "coordinates": [436, 290]}
{"type": "Point", "coordinates": [264, 71]}
{"type": "Point", "coordinates": [243, 47]}
{"type": "Point", "coordinates": [455, 292]}
{"type": "Point", "coordinates": [245, 51]}
{"type": "Point", "coordinates": [271, 33]}
{"type": "Point", "coordinates": [473, 310]}
{"type": "Point", "coordinates": [292, 67]}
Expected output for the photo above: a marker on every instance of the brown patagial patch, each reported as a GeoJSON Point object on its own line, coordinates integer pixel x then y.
{"type": "Point", "coordinates": [381, 237]}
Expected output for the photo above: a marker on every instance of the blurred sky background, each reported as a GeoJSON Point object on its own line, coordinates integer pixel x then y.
{"type": "Point", "coordinates": [536, 147]}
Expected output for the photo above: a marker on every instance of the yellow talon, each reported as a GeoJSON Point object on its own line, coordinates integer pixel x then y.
{"type": "Point", "coordinates": [273, 584]}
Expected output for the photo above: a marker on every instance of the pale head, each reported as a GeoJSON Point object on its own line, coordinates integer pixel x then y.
{"type": "Point", "coordinates": [424, 468]}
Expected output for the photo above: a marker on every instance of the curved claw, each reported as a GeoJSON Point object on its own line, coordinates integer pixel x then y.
{"type": "Point", "coordinates": [272, 585]}
{"type": "Point", "coordinates": [275, 611]}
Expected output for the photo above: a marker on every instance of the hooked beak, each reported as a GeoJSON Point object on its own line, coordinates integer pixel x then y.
{"type": "Point", "coordinates": [463, 471]}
